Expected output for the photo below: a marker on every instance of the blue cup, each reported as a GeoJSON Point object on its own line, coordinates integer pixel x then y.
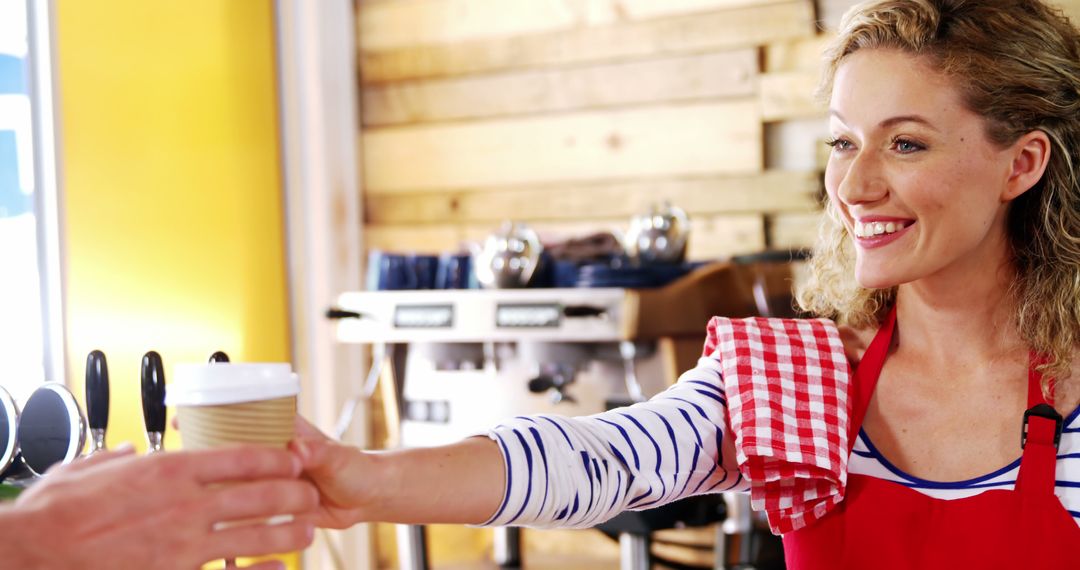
{"type": "Point", "coordinates": [424, 268]}
{"type": "Point", "coordinates": [374, 270]}
{"type": "Point", "coordinates": [395, 273]}
{"type": "Point", "coordinates": [454, 272]}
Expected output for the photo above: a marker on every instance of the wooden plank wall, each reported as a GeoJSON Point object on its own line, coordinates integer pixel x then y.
{"type": "Point", "coordinates": [574, 115]}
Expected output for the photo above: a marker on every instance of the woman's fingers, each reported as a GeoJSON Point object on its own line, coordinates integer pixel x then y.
{"type": "Point", "coordinates": [318, 457]}
{"type": "Point", "coordinates": [304, 429]}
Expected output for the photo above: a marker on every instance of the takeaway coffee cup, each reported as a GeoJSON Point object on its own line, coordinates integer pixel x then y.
{"type": "Point", "coordinates": [223, 404]}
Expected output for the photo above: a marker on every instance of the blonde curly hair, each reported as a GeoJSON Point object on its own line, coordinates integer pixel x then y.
{"type": "Point", "coordinates": [1017, 63]}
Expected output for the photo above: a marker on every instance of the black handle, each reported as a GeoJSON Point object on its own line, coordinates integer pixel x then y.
{"type": "Point", "coordinates": [541, 384]}
{"type": "Point", "coordinates": [219, 357]}
{"type": "Point", "coordinates": [334, 313]}
{"type": "Point", "coordinates": [153, 392]}
{"type": "Point", "coordinates": [577, 311]}
{"type": "Point", "coordinates": [97, 390]}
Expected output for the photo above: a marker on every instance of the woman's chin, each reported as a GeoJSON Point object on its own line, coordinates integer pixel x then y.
{"type": "Point", "coordinates": [875, 279]}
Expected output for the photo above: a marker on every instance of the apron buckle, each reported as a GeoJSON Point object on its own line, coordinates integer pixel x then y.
{"type": "Point", "coordinates": [1043, 411]}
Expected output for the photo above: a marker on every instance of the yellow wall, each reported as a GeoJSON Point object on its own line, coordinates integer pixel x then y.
{"type": "Point", "coordinates": [172, 188]}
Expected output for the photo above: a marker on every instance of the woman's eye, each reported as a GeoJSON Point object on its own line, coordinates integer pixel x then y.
{"type": "Point", "coordinates": [905, 146]}
{"type": "Point", "coordinates": [839, 144]}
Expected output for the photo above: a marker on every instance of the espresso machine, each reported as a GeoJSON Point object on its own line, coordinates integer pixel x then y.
{"type": "Point", "coordinates": [461, 361]}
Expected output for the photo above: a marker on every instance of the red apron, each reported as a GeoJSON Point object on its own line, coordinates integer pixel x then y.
{"type": "Point", "coordinates": [881, 525]}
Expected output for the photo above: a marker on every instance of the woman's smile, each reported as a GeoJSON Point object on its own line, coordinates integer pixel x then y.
{"type": "Point", "coordinates": [877, 231]}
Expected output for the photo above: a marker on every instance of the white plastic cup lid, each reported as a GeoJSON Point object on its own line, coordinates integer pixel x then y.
{"type": "Point", "coordinates": [216, 384]}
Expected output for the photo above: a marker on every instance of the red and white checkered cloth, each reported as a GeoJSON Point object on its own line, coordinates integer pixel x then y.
{"type": "Point", "coordinates": [787, 383]}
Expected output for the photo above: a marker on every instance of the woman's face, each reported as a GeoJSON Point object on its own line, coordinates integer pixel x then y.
{"type": "Point", "coordinates": [912, 174]}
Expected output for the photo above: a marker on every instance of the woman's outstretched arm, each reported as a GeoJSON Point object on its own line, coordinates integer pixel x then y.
{"type": "Point", "coordinates": [458, 483]}
{"type": "Point", "coordinates": [547, 471]}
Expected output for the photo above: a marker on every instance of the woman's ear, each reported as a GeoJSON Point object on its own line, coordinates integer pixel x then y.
{"type": "Point", "coordinates": [1031, 154]}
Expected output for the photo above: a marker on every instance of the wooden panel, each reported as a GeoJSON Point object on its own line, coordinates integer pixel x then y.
{"type": "Point", "coordinates": [426, 22]}
{"type": "Point", "coordinates": [670, 79]}
{"type": "Point", "coordinates": [1071, 8]}
{"type": "Point", "coordinates": [710, 31]}
{"type": "Point", "coordinates": [640, 9]}
{"type": "Point", "coordinates": [797, 144]}
{"type": "Point", "coordinates": [710, 138]}
{"type": "Point", "coordinates": [716, 237]}
{"type": "Point", "coordinates": [774, 191]}
{"type": "Point", "coordinates": [789, 231]}
{"type": "Point", "coordinates": [805, 54]}
{"type": "Point", "coordinates": [830, 11]}
{"type": "Point", "coordinates": [711, 236]}
{"type": "Point", "coordinates": [421, 239]}
{"type": "Point", "coordinates": [789, 95]}
{"type": "Point", "coordinates": [420, 22]}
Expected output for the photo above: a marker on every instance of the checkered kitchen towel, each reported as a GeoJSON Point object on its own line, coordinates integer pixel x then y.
{"type": "Point", "coordinates": [787, 383]}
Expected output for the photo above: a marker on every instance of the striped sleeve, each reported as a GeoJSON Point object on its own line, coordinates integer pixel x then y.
{"type": "Point", "coordinates": [578, 472]}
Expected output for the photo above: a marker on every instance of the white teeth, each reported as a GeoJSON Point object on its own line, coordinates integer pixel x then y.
{"type": "Point", "coordinates": [876, 228]}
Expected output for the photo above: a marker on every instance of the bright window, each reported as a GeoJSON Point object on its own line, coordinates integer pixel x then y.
{"type": "Point", "coordinates": [22, 338]}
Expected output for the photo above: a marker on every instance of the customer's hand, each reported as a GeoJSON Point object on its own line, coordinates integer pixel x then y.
{"type": "Point", "coordinates": [117, 510]}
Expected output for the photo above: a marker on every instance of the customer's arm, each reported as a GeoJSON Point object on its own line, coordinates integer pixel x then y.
{"type": "Point", "coordinates": [159, 511]}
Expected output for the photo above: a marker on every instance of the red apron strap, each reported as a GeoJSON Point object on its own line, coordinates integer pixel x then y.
{"type": "Point", "coordinates": [867, 373]}
{"type": "Point", "coordinates": [1039, 437]}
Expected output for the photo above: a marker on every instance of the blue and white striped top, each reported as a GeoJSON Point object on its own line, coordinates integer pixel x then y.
{"type": "Point", "coordinates": [578, 472]}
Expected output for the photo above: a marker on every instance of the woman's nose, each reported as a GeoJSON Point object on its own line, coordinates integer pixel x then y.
{"type": "Point", "coordinates": [863, 181]}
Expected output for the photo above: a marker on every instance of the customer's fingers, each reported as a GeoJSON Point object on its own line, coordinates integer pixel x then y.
{"type": "Point", "coordinates": [257, 540]}
{"type": "Point", "coordinates": [125, 449]}
{"type": "Point", "coordinates": [260, 499]}
{"type": "Point", "coordinates": [266, 565]}
{"type": "Point", "coordinates": [239, 464]}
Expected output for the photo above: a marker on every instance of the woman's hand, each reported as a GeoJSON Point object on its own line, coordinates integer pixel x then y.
{"type": "Point", "coordinates": [341, 474]}
{"type": "Point", "coordinates": [117, 510]}
{"type": "Point", "coordinates": [460, 483]}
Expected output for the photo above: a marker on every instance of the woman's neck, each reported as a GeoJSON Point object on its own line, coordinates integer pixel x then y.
{"type": "Point", "coordinates": [965, 314]}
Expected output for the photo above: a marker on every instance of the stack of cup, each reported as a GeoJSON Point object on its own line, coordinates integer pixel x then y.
{"type": "Point", "coordinates": [224, 404]}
